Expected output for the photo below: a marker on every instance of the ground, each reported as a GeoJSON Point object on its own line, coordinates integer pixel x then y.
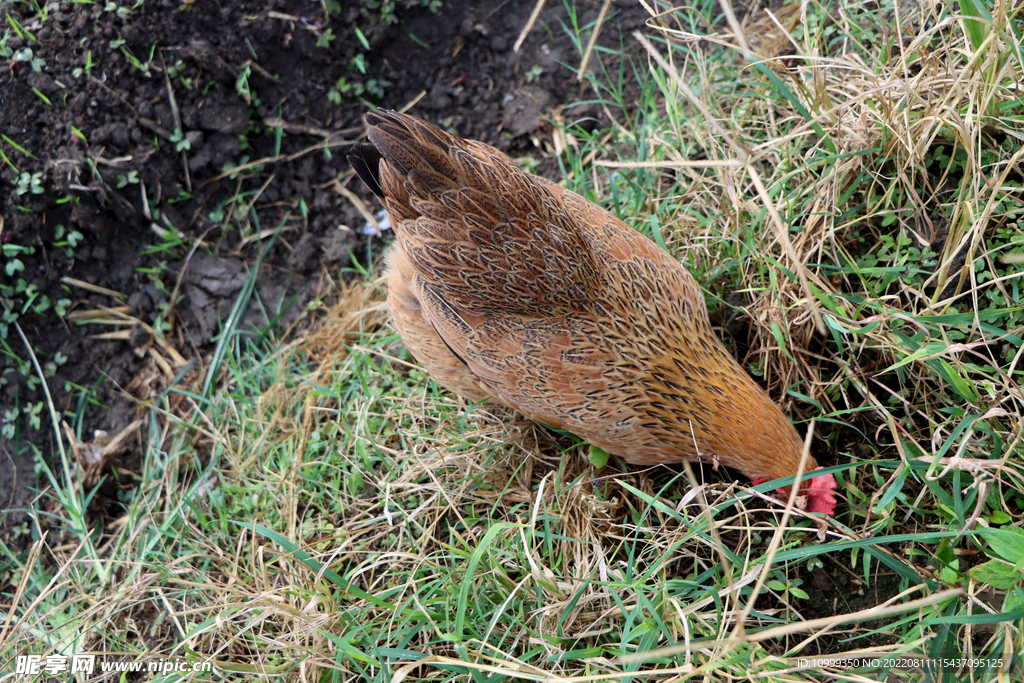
{"type": "Point", "coordinates": [167, 236]}
{"type": "Point", "coordinates": [131, 121]}
{"type": "Point", "coordinates": [157, 156]}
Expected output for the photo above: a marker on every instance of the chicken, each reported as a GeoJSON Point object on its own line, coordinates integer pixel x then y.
{"type": "Point", "coordinates": [507, 286]}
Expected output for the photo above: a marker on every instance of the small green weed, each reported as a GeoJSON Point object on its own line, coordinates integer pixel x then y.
{"type": "Point", "coordinates": [375, 85]}
{"type": "Point", "coordinates": [29, 182]}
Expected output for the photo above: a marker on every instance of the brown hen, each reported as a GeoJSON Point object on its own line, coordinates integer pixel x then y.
{"type": "Point", "coordinates": [507, 286]}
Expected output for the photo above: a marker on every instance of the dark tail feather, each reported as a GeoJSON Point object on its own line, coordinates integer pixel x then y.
{"type": "Point", "coordinates": [365, 160]}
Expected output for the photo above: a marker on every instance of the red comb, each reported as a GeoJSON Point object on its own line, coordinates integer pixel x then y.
{"type": "Point", "coordinates": [820, 496]}
{"type": "Point", "coordinates": [819, 492]}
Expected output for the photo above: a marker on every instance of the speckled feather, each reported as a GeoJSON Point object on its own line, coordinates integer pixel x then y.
{"type": "Point", "coordinates": [505, 285]}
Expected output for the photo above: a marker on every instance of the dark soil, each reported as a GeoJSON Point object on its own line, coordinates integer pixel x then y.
{"type": "Point", "coordinates": [102, 118]}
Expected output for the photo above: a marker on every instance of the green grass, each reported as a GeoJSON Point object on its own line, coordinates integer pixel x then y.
{"type": "Point", "coordinates": [320, 509]}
